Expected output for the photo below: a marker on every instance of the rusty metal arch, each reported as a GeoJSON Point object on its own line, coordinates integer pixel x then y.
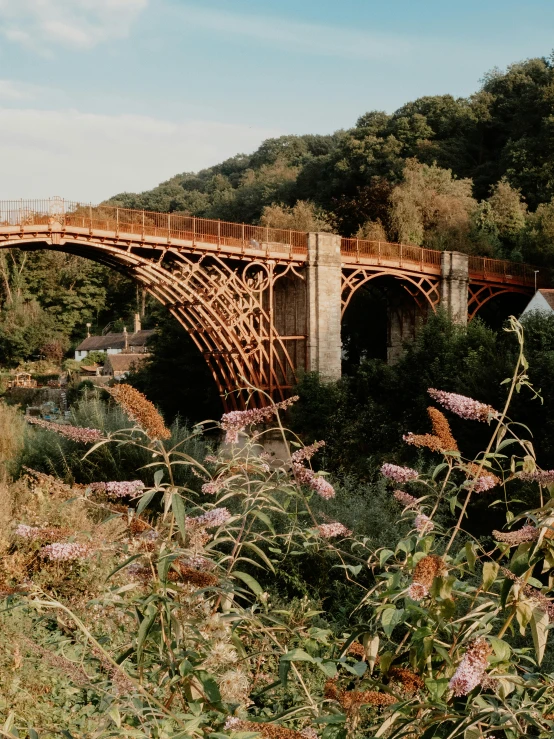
{"type": "Point", "coordinates": [220, 308]}
{"type": "Point", "coordinates": [479, 294]}
{"type": "Point", "coordinates": [423, 286]}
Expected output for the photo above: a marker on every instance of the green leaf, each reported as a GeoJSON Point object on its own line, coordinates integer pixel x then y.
{"type": "Point", "coordinates": [144, 628]}
{"type": "Point", "coordinates": [502, 649]}
{"type": "Point", "coordinates": [146, 498]}
{"type": "Point", "coordinates": [391, 617]}
{"type": "Point", "coordinates": [328, 668]}
{"type": "Point", "coordinates": [158, 477]}
{"type": "Point", "coordinates": [121, 566]}
{"type": "Point", "coordinates": [470, 556]}
{"type": "Point", "coordinates": [437, 688]}
{"type": "Point", "coordinates": [358, 668]}
{"type": "Point", "coordinates": [297, 655]}
{"type": "Point", "coordinates": [261, 554]}
{"type": "Point", "coordinates": [178, 508]}
{"type": "Point", "coordinates": [210, 687]}
{"type": "Point", "coordinates": [250, 581]}
{"type": "Point", "coordinates": [539, 630]}
{"type": "Point", "coordinates": [490, 571]}
{"type": "Point", "coordinates": [115, 716]}
{"type": "Point", "coordinates": [32, 733]}
{"type": "Point", "coordinates": [284, 669]}
{"type": "Point", "coordinates": [385, 555]}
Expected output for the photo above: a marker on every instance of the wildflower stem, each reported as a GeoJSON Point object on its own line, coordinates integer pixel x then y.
{"type": "Point", "coordinates": [499, 425]}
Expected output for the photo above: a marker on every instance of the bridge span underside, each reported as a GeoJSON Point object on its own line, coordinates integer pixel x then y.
{"type": "Point", "coordinates": [262, 305]}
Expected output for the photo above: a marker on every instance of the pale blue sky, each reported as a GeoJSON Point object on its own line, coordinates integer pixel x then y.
{"type": "Point", "coordinates": [99, 96]}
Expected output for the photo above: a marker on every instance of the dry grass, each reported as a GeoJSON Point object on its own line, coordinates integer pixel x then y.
{"type": "Point", "coordinates": [12, 437]}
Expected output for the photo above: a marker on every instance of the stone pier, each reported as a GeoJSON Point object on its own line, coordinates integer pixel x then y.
{"type": "Point", "coordinates": [324, 273]}
{"type": "Point", "coordinates": [454, 285]}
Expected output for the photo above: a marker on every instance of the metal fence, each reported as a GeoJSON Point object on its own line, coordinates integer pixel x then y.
{"type": "Point", "coordinates": [166, 226]}
{"type": "Point", "coordinates": [382, 251]}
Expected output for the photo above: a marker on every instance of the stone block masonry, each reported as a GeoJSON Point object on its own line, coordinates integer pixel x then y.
{"type": "Point", "coordinates": [454, 285]}
{"type": "Point", "coordinates": [324, 274]}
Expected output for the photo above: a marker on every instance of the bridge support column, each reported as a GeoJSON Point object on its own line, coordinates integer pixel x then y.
{"type": "Point", "coordinates": [454, 285]}
{"type": "Point", "coordinates": [324, 277]}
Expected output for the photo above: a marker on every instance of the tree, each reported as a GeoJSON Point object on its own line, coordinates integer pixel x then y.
{"type": "Point", "coordinates": [432, 208]}
{"type": "Point", "coordinates": [302, 216]}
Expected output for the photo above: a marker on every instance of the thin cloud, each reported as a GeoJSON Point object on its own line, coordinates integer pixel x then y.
{"type": "Point", "coordinates": [78, 24]}
{"type": "Point", "coordinates": [90, 157]}
{"type": "Point", "coordinates": [298, 36]}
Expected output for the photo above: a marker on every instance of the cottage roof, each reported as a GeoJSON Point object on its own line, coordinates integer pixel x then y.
{"type": "Point", "coordinates": [548, 295]}
{"type": "Point", "coordinates": [124, 362]}
{"type": "Point", "coordinates": [115, 341]}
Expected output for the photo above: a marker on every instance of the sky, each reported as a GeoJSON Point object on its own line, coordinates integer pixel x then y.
{"type": "Point", "coordinates": [99, 97]}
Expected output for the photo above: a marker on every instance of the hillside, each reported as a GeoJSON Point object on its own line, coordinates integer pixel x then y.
{"type": "Point", "coordinates": [474, 173]}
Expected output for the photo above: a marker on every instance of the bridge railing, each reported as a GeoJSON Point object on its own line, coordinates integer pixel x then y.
{"type": "Point", "coordinates": [383, 252]}
{"type": "Point", "coordinates": [166, 226]}
{"type": "Point", "coordinates": [503, 270]}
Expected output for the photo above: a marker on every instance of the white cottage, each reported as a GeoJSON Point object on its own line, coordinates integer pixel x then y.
{"type": "Point", "coordinates": [542, 301]}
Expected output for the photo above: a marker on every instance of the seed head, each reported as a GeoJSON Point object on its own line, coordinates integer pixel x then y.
{"type": "Point", "coordinates": [140, 410]}
{"type": "Point", "coordinates": [407, 500]}
{"type": "Point", "coordinates": [514, 538]}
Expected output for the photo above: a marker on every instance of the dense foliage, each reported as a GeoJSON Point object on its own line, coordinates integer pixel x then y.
{"type": "Point", "coordinates": [154, 611]}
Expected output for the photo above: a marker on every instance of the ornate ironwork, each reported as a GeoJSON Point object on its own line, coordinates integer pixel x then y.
{"type": "Point", "coordinates": [239, 290]}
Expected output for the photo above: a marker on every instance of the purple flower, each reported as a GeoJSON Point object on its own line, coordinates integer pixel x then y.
{"type": "Point", "coordinates": [423, 523]}
{"type": "Point", "coordinates": [399, 474]}
{"type": "Point", "coordinates": [461, 405]}
{"type": "Point", "coordinates": [306, 452]}
{"type": "Point", "coordinates": [211, 519]}
{"type": "Point", "coordinates": [406, 499]}
{"type": "Point", "coordinates": [213, 487]}
{"type": "Point", "coordinates": [471, 669]}
{"type": "Point", "coordinates": [63, 552]}
{"type": "Point", "coordinates": [119, 489]}
{"type": "Point", "coordinates": [79, 434]}
{"type": "Point", "coordinates": [235, 421]}
{"type": "Point", "coordinates": [331, 530]}
{"type": "Point", "coordinates": [545, 477]}
{"type": "Point", "coordinates": [418, 591]}
{"type": "Point", "coordinates": [514, 538]}
{"type": "Point", "coordinates": [28, 532]}
{"type": "Point", "coordinates": [305, 476]}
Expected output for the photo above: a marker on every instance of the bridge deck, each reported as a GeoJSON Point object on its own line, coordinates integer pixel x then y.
{"type": "Point", "coordinates": [21, 219]}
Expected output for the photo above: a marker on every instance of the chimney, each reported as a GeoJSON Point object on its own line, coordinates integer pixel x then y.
{"type": "Point", "coordinates": [88, 330]}
{"type": "Point", "coordinates": [137, 326]}
{"type": "Point", "coordinates": [126, 338]}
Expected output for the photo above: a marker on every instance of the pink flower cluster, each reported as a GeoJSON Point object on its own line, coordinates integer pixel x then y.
{"type": "Point", "coordinates": [307, 452]}
{"type": "Point", "coordinates": [63, 552]}
{"type": "Point", "coordinates": [485, 482]}
{"type": "Point", "coordinates": [471, 670]}
{"type": "Point", "coordinates": [399, 474]}
{"type": "Point", "coordinates": [211, 519]}
{"type": "Point", "coordinates": [28, 532]}
{"type": "Point", "coordinates": [119, 489]}
{"type": "Point", "coordinates": [545, 477]}
{"type": "Point", "coordinates": [213, 487]}
{"type": "Point", "coordinates": [305, 476]}
{"type": "Point", "coordinates": [461, 405]}
{"type": "Point", "coordinates": [331, 530]}
{"type": "Point", "coordinates": [418, 591]}
{"type": "Point", "coordinates": [423, 523]}
{"type": "Point", "coordinates": [405, 499]}
{"type": "Point", "coordinates": [514, 538]}
{"type": "Point", "coordinates": [235, 421]}
{"type": "Point", "coordinates": [79, 434]}
{"type": "Point", "coordinates": [197, 562]}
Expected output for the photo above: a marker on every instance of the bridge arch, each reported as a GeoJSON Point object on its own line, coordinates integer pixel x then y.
{"type": "Point", "coordinates": [222, 306]}
{"type": "Point", "coordinates": [424, 289]}
{"type": "Point", "coordinates": [480, 294]}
